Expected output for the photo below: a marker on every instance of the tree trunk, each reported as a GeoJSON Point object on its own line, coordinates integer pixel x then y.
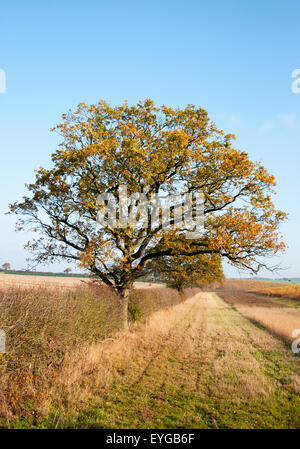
{"type": "Point", "coordinates": [181, 293]}
{"type": "Point", "coordinates": [124, 297]}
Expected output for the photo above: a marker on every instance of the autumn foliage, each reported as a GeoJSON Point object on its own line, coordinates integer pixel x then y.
{"type": "Point", "coordinates": [150, 150]}
{"type": "Point", "coordinates": [182, 272]}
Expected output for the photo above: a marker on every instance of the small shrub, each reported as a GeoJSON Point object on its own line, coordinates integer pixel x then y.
{"type": "Point", "coordinates": [135, 312]}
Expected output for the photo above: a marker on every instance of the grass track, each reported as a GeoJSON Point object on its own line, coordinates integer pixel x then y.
{"type": "Point", "coordinates": [210, 367]}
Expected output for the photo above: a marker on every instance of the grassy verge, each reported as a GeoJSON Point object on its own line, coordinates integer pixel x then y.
{"type": "Point", "coordinates": [199, 365]}
{"type": "Point", "coordinates": [47, 330]}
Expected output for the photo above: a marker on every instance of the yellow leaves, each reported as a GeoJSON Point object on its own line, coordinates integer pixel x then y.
{"type": "Point", "coordinates": [240, 232]}
{"type": "Point", "coordinates": [188, 271]}
{"type": "Point", "coordinates": [152, 149]}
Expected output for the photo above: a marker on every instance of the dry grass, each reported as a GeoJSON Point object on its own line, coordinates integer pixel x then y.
{"type": "Point", "coordinates": [272, 289]}
{"type": "Point", "coordinates": [267, 305]}
{"type": "Point", "coordinates": [47, 331]}
{"type": "Point", "coordinates": [245, 285]}
{"type": "Point", "coordinates": [29, 282]}
{"type": "Point", "coordinates": [41, 328]}
{"type": "Point", "coordinates": [291, 291]}
{"type": "Point", "coordinates": [95, 367]}
{"type": "Point", "coordinates": [281, 321]}
{"type": "Point", "coordinates": [192, 366]}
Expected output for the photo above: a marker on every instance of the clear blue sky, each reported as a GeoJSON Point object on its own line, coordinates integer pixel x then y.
{"type": "Point", "coordinates": [234, 58]}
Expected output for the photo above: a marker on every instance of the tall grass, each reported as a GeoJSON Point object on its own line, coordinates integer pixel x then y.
{"type": "Point", "coordinates": [253, 299]}
{"type": "Point", "coordinates": [281, 321]}
{"type": "Point", "coordinates": [291, 291]}
{"type": "Point", "coordinates": [44, 329]}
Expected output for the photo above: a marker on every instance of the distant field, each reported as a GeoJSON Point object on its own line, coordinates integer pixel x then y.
{"type": "Point", "coordinates": [276, 308]}
{"type": "Point", "coordinates": [245, 284]}
{"type": "Point", "coordinates": [8, 281]}
{"type": "Point", "coordinates": [36, 281]}
{"type": "Point", "coordinates": [286, 294]}
{"type": "Point", "coordinates": [47, 274]}
{"type": "Point", "coordinates": [291, 291]}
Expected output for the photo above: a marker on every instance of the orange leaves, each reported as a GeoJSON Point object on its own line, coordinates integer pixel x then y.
{"type": "Point", "coordinates": [150, 150]}
{"type": "Point", "coordinates": [188, 271]}
{"type": "Point", "coordinates": [240, 232]}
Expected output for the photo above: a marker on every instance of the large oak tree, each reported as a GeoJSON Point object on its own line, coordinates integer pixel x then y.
{"type": "Point", "coordinates": [150, 150]}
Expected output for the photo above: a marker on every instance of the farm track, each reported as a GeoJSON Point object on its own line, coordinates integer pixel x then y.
{"type": "Point", "coordinates": [211, 368]}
